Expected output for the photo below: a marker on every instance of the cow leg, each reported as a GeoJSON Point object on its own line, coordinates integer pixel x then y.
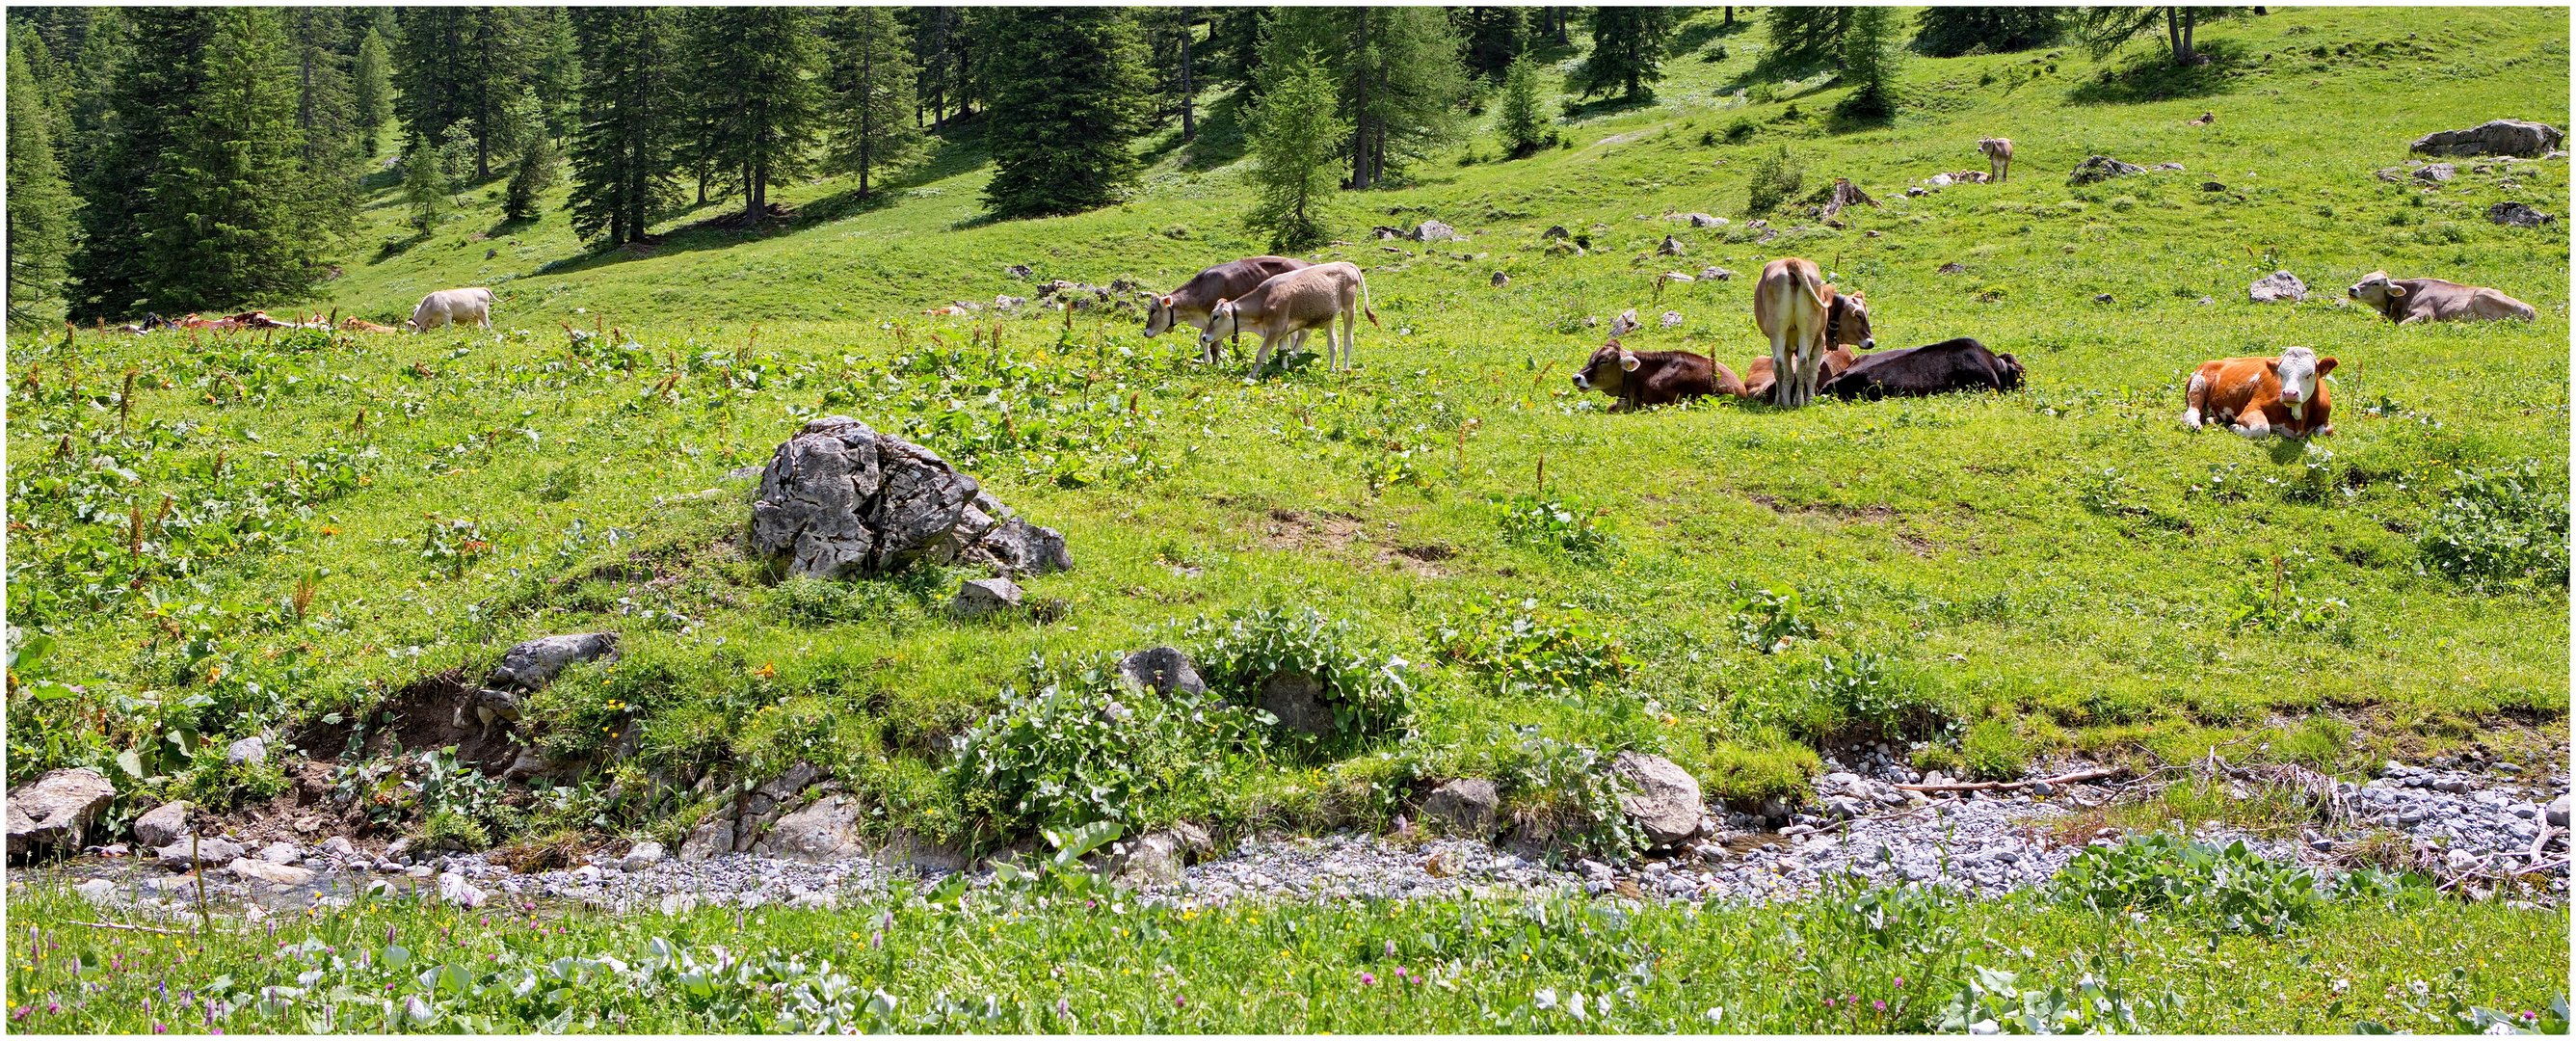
{"type": "Point", "coordinates": [2194, 398]}
{"type": "Point", "coordinates": [1263, 359]}
{"type": "Point", "coordinates": [1350, 332]}
{"type": "Point", "coordinates": [2252, 424]}
{"type": "Point", "coordinates": [1781, 377]}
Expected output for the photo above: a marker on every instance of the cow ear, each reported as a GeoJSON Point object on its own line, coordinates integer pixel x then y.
{"type": "Point", "coordinates": [1627, 361]}
{"type": "Point", "coordinates": [2325, 365]}
{"type": "Point", "coordinates": [2272, 365]}
{"type": "Point", "coordinates": [2396, 290]}
{"type": "Point", "coordinates": [1166, 300]}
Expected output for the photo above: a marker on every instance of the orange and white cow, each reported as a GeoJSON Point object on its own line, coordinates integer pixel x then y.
{"type": "Point", "coordinates": [2257, 397]}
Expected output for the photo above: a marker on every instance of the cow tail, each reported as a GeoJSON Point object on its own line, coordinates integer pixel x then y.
{"type": "Point", "coordinates": [1364, 304]}
{"type": "Point", "coordinates": [1815, 286]}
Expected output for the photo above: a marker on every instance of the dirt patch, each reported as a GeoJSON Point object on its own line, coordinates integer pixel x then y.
{"type": "Point", "coordinates": [424, 716]}
{"type": "Point", "coordinates": [1870, 514]}
{"type": "Point", "coordinates": [1290, 529]}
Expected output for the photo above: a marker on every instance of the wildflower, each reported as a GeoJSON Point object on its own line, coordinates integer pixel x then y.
{"type": "Point", "coordinates": [1900, 983]}
{"type": "Point", "coordinates": [1063, 1007]}
{"type": "Point", "coordinates": [1829, 1002]}
{"type": "Point", "coordinates": [52, 1006]}
{"type": "Point", "coordinates": [1367, 978]}
{"type": "Point", "coordinates": [2420, 987]}
{"type": "Point", "coordinates": [2339, 986]}
{"type": "Point", "coordinates": [1180, 1002]}
{"type": "Point", "coordinates": [1390, 948]}
{"type": "Point", "coordinates": [1878, 1006]}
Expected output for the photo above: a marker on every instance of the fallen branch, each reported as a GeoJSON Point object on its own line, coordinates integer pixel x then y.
{"type": "Point", "coordinates": [2095, 774]}
{"type": "Point", "coordinates": [130, 928]}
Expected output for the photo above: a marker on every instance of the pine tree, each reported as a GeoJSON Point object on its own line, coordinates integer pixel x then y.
{"type": "Point", "coordinates": [1627, 51]}
{"type": "Point", "coordinates": [874, 116]}
{"type": "Point", "coordinates": [1805, 37]}
{"type": "Point", "coordinates": [621, 151]}
{"type": "Point", "coordinates": [225, 230]}
{"type": "Point", "coordinates": [528, 183]}
{"type": "Point", "coordinates": [464, 65]}
{"type": "Point", "coordinates": [1493, 37]}
{"type": "Point", "coordinates": [755, 92]}
{"type": "Point", "coordinates": [142, 76]}
{"type": "Point", "coordinates": [372, 86]}
{"type": "Point", "coordinates": [334, 151]}
{"type": "Point", "coordinates": [1870, 57]}
{"type": "Point", "coordinates": [1396, 70]}
{"type": "Point", "coordinates": [556, 69]}
{"type": "Point", "coordinates": [1070, 94]}
{"type": "Point", "coordinates": [1947, 32]}
{"type": "Point", "coordinates": [40, 200]}
{"type": "Point", "coordinates": [1518, 120]}
{"type": "Point", "coordinates": [425, 188]}
{"type": "Point", "coordinates": [1294, 144]}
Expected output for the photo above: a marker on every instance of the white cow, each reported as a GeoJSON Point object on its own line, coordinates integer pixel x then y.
{"type": "Point", "coordinates": [453, 305]}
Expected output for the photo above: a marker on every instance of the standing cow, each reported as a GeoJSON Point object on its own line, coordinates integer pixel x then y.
{"type": "Point", "coordinates": [1292, 303]}
{"type": "Point", "coordinates": [2260, 396]}
{"type": "Point", "coordinates": [1998, 152]}
{"type": "Point", "coordinates": [1189, 305]}
{"type": "Point", "coordinates": [2406, 301]}
{"type": "Point", "coordinates": [1804, 318]}
{"type": "Point", "coordinates": [453, 305]}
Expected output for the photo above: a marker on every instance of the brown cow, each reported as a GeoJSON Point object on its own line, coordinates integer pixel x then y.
{"type": "Point", "coordinates": [2259, 396]}
{"type": "Point", "coordinates": [1759, 378]}
{"type": "Point", "coordinates": [1804, 319]}
{"type": "Point", "coordinates": [1189, 305]}
{"type": "Point", "coordinates": [1294, 302]}
{"type": "Point", "coordinates": [1642, 378]}
{"type": "Point", "coordinates": [1998, 152]}
{"type": "Point", "coordinates": [2409, 300]}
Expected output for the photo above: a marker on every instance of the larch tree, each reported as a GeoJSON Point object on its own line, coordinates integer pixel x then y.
{"type": "Point", "coordinates": [1518, 119]}
{"type": "Point", "coordinates": [1295, 145]}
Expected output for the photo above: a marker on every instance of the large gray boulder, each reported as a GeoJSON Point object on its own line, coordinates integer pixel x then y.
{"type": "Point", "coordinates": [162, 825]}
{"type": "Point", "coordinates": [1468, 806]}
{"type": "Point", "coordinates": [1162, 670]}
{"type": "Point", "coordinates": [2516, 215]}
{"type": "Point", "coordinates": [535, 663]}
{"type": "Point", "coordinates": [2101, 168]}
{"type": "Point", "coordinates": [840, 499]}
{"type": "Point", "coordinates": [825, 831]}
{"type": "Point", "coordinates": [56, 811]}
{"type": "Point", "coordinates": [2279, 285]}
{"type": "Point", "coordinates": [1663, 799]}
{"type": "Point", "coordinates": [2494, 137]}
{"type": "Point", "coordinates": [1298, 700]}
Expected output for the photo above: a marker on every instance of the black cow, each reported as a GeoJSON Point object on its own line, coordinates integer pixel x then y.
{"type": "Point", "coordinates": [1960, 364]}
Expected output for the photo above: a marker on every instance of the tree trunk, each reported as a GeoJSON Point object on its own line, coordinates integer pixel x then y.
{"type": "Point", "coordinates": [1360, 109]}
{"type": "Point", "coordinates": [2190, 19]}
{"type": "Point", "coordinates": [1730, 15]}
{"type": "Point", "coordinates": [2173, 36]}
{"type": "Point", "coordinates": [1189, 97]}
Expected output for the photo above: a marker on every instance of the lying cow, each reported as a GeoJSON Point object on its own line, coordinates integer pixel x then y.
{"type": "Point", "coordinates": [1804, 318]}
{"type": "Point", "coordinates": [1642, 378]}
{"type": "Point", "coordinates": [2259, 396]}
{"type": "Point", "coordinates": [1759, 378]}
{"type": "Point", "coordinates": [1295, 302]}
{"type": "Point", "coordinates": [453, 305]}
{"type": "Point", "coordinates": [1998, 152]}
{"type": "Point", "coordinates": [2408, 300]}
{"type": "Point", "coordinates": [1189, 305]}
{"type": "Point", "coordinates": [1960, 364]}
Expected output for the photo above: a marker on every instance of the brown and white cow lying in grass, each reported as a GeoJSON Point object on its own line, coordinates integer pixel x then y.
{"type": "Point", "coordinates": [2259, 396]}
{"type": "Point", "coordinates": [1292, 303]}
{"type": "Point", "coordinates": [1189, 305]}
{"type": "Point", "coordinates": [2409, 300]}
{"type": "Point", "coordinates": [1642, 378]}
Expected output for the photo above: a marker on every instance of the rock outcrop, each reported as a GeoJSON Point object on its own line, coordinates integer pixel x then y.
{"type": "Point", "coordinates": [2493, 137]}
{"type": "Point", "coordinates": [840, 499]}
{"type": "Point", "coordinates": [56, 811]}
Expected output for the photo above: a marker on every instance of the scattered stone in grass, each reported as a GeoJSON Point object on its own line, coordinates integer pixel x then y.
{"type": "Point", "coordinates": [2517, 215]}
{"type": "Point", "coordinates": [1467, 806]}
{"type": "Point", "coordinates": [162, 825]}
{"type": "Point", "coordinates": [2277, 286]}
{"type": "Point", "coordinates": [2099, 168]}
{"type": "Point", "coordinates": [1163, 670]}
{"type": "Point", "coordinates": [2437, 172]}
{"type": "Point", "coordinates": [977, 597]}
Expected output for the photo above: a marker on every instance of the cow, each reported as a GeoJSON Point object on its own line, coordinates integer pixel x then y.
{"type": "Point", "coordinates": [2409, 300]}
{"type": "Point", "coordinates": [1189, 304]}
{"type": "Point", "coordinates": [1759, 378]}
{"type": "Point", "coordinates": [2259, 396]}
{"type": "Point", "coordinates": [1291, 303]}
{"type": "Point", "coordinates": [1998, 152]}
{"type": "Point", "coordinates": [1959, 364]}
{"type": "Point", "coordinates": [2206, 118]}
{"type": "Point", "coordinates": [1804, 318]}
{"type": "Point", "coordinates": [453, 305]}
{"type": "Point", "coordinates": [1642, 378]}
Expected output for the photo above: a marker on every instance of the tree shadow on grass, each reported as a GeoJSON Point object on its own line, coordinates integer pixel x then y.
{"type": "Point", "coordinates": [1221, 135]}
{"type": "Point", "coordinates": [1609, 106]}
{"type": "Point", "coordinates": [2154, 77]}
{"type": "Point", "coordinates": [1700, 30]}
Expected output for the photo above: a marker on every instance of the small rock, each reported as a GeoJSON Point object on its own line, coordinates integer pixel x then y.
{"type": "Point", "coordinates": [162, 825]}
{"type": "Point", "coordinates": [2437, 173]}
{"type": "Point", "coordinates": [1500, 280]}
{"type": "Point", "coordinates": [281, 876]}
{"type": "Point", "coordinates": [1298, 700]}
{"type": "Point", "coordinates": [978, 597]}
{"type": "Point", "coordinates": [96, 890]}
{"type": "Point", "coordinates": [1671, 247]}
{"type": "Point", "coordinates": [456, 889]}
{"type": "Point", "coordinates": [1626, 323]}
{"type": "Point", "coordinates": [1020, 271]}
{"type": "Point", "coordinates": [394, 850]}
{"type": "Point", "coordinates": [1664, 798]}
{"type": "Point", "coordinates": [533, 664]}
{"type": "Point", "coordinates": [2279, 285]}
{"type": "Point", "coordinates": [1716, 274]}
{"type": "Point", "coordinates": [827, 830]}
{"type": "Point", "coordinates": [1163, 670]}
{"type": "Point", "coordinates": [2557, 812]}
{"type": "Point", "coordinates": [339, 846]}
{"type": "Point", "coordinates": [1436, 231]}
{"type": "Point", "coordinates": [644, 854]}
{"type": "Point", "coordinates": [1952, 268]}
{"type": "Point", "coordinates": [1467, 806]}
{"type": "Point", "coordinates": [2169, 166]}
{"type": "Point", "coordinates": [2516, 215]}
{"type": "Point", "coordinates": [246, 750]}
{"type": "Point", "coordinates": [187, 853]}
{"type": "Point", "coordinates": [1001, 302]}
{"type": "Point", "coordinates": [1671, 319]}
{"type": "Point", "coordinates": [56, 810]}
{"type": "Point", "coordinates": [2212, 186]}
{"type": "Point", "coordinates": [2101, 298]}
{"type": "Point", "coordinates": [2101, 168]}
{"type": "Point", "coordinates": [281, 853]}
{"type": "Point", "coordinates": [712, 836]}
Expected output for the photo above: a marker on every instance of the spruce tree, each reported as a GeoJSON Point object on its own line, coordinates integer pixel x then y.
{"type": "Point", "coordinates": [334, 152]}
{"type": "Point", "coordinates": [621, 149]}
{"type": "Point", "coordinates": [464, 65]}
{"type": "Point", "coordinates": [1295, 141]}
{"type": "Point", "coordinates": [225, 228]}
{"type": "Point", "coordinates": [528, 182]}
{"type": "Point", "coordinates": [1518, 120]}
{"type": "Point", "coordinates": [1492, 38]}
{"type": "Point", "coordinates": [1870, 56]}
{"type": "Point", "coordinates": [1070, 94]}
{"type": "Point", "coordinates": [873, 117]}
{"type": "Point", "coordinates": [425, 189]}
{"type": "Point", "coordinates": [1627, 51]}
{"type": "Point", "coordinates": [136, 103]}
{"type": "Point", "coordinates": [1805, 37]}
{"type": "Point", "coordinates": [371, 83]}
{"type": "Point", "coordinates": [756, 94]}
{"type": "Point", "coordinates": [556, 76]}
{"type": "Point", "coordinates": [1947, 32]}
{"type": "Point", "coordinates": [40, 200]}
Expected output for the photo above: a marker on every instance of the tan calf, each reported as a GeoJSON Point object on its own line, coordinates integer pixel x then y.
{"type": "Point", "coordinates": [1292, 303]}
{"type": "Point", "coordinates": [2259, 396]}
{"type": "Point", "coordinates": [1804, 318]}
{"type": "Point", "coordinates": [1998, 152]}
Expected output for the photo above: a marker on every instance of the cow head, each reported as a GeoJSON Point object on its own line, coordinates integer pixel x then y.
{"type": "Point", "coordinates": [1222, 324]}
{"type": "Point", "coordinates": [1158, 315]}
{"type": "Point", "coordinates": [1608, 370]}
{"type": "Point", "coordinates": [2376, 290]}
{"type": "Point", "coordinates": [2011, 373]}
{"type": "Point", "coordinates": [1848, 322]}
{"type": "Point", "coordinates": [2299, 369]}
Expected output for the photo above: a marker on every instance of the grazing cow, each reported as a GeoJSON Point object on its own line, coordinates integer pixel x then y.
{"type": "Point", "coordinates": [1759, 378]}
{"type": "Point", "coordinates": [2409, 300]}
{"type": "Point", "coordinates": [1641, 378]}
{"type": "Point", "coordinates": [2259, 396]}
{"type": "Point", "coordinates": [1189, 305]}
{"type": "Point", "coordinates": [1998, 152]}
{"type": "Point", "coordinates": [453, 305]}
{"type": "Point", "coordinates": [1960, 364]}
{"type": "Point", "coordinates": [1804, 318]}
{"type": "Point", "coordinates": [1294, 302]}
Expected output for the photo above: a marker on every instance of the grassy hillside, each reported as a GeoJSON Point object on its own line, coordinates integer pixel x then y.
{"type": "Point", "coordinates": [1992, 579]}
